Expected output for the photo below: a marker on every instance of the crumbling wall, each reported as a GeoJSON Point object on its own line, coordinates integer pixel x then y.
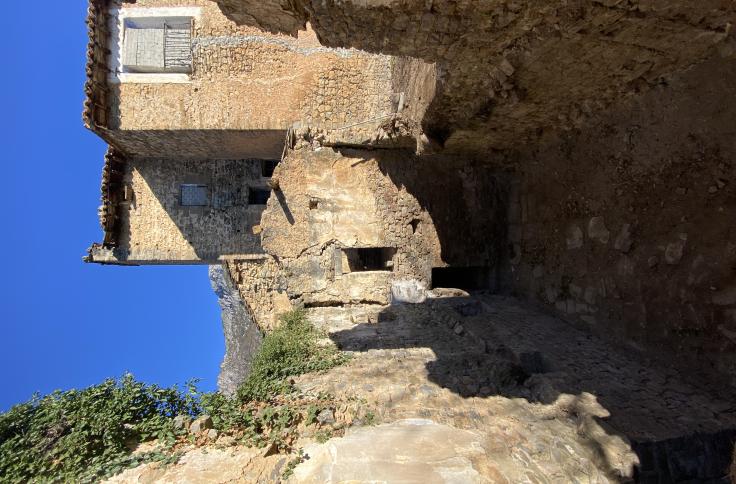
{"type": "Point", "coordinates": [329, 201]}
{"type": "Point", "coordinates": [629, 226]}
{"type": "Point", "coordinates": [154, 227]}
{"type": "Point", "coordinates": [257, 280]}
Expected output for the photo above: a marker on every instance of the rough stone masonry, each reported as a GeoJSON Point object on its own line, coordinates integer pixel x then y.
{"type": "Point", "coordinates": [577, 155]}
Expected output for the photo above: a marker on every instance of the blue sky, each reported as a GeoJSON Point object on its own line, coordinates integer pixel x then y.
{"type": "Point", "coordinates": [67, 324]}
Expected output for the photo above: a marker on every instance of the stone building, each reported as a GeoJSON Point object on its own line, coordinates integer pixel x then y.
{"type": "Point", "coordinates": [328, 176]}
{"type": "Point", "coordinates": [195, 110]}
{"type": "Point", "coordinates": [579, 156]}
{"type": "Point", "coordinates": [611, 122]}
{"type": "Point", "coordinates": [198, 113]}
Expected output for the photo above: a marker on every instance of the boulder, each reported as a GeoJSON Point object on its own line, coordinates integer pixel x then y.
{"type": "Point", "coordinates": [182, 422]}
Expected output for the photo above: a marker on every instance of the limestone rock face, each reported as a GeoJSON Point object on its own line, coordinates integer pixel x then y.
{"type": "Point", "coordinates": [412, 450]}
{"type": "Point", "coordinates": [210, 465]}
{"type": "Point", "coordinates": [242, 337]}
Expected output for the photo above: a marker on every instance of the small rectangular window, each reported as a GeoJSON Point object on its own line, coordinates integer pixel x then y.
{"type": "Point", "coordinates": [268, 167]}
{"type": "Point", "coordinates": [157, 45]}
{"type": "Point", "coordinates": [193, 195]}
{"type": "Point", "coordinates": [368, 259]}
{"type": "Point", "coordinates": [258, 196]}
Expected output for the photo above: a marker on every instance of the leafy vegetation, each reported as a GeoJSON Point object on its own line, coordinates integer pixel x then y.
{"type": "Point", "coordinates": [82, 435]}
{"type": "Point", "coordinates": [290, 350]}
{"type": "Point", "coordinates": [86, 435]}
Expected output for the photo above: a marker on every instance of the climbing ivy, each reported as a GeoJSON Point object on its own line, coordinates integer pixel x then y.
{"type": "Point", "coordinates": [86, 435]}
{"type": "Point", "coordinates": [83, 435]}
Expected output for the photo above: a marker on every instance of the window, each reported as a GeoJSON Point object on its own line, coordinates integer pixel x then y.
{"type": "Point", "coordinates": [157, 45]}
{"type": "Point", "coordinates": [368, 259]}
{"type": "Point", "coordinates": [194, 195]}
{"type": "Point", "coordinates": [258, 196]}
{"type": "Point", "coordinates": [267, 167]}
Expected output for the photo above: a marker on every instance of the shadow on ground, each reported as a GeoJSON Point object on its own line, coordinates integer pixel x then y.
{"type": "Point", "coordinates": [488, 346]}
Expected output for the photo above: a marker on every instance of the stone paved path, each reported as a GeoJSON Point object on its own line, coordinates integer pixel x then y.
{"type": "Point", "coordinates": [414, 362]}
{"type": "Point", "coordinates": [534, 385]}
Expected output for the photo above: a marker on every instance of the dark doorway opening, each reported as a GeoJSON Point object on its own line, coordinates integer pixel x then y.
{"type": "Point", "coordinates": [466, 278]}
{"type": "Point", "coordinates": [370, 259]}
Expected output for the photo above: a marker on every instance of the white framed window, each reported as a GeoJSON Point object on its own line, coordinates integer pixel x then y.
{"type": "Point", "coordinates": [152, 45]}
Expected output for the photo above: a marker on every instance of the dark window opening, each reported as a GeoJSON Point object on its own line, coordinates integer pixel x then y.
{"type": "Point", "coordinates": [313, 204]}
{"type": "Point", "coordinates": [193, 195]}
{"type": "Point", "coordinates": [268, 167]}
{"type": "Point", "coordinates": [466, 278]}
{"type": "Point", "coordinates": [369, 259]}
{"type": "Point", "coordinates": [258, 196]}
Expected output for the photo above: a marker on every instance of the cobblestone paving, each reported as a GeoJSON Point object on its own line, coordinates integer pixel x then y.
{"type": "Point", "coordinates": [553, 403]}
{"type": "Point", "coordinates": [647, 401]}
{"type": "Point", "coordinates": [409, 362]}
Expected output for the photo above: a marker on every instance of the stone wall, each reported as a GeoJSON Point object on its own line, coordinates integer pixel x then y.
{"type": "Point", "coordinates": [155, 228]}
{"type": "Point", "coordinates": [510, 70]}
{"type": "Point", "coordinates": [331, 201]}
{"type": "Point", "coordinates": [247, 84]}
{"type": "Point", "coordinates": [629, 226]}
{"type": "Point", "coordinates": [257, 280]}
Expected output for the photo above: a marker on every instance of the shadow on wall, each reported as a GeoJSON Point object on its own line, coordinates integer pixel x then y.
{"type": "Point", "coordinates": [192, 210]}
{"type": "Point", "coordinates": [465, 200]}
{"type": "Point", "coordinates": [489, 346]}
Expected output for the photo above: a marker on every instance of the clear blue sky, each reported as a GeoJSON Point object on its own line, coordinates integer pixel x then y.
{"type": "Point", "coordinates": [66, 324]}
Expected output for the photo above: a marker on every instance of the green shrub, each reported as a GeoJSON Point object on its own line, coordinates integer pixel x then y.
{"type": "Point", "coordinates": [291, 350]}
{"type": "Point", "coordinates": [86, 435]}
{"type": "Point", "coordinates": [82, 435]}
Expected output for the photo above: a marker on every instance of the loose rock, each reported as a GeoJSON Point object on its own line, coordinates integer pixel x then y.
{"type": "Point", "coordinates": [597, 230]}
{"type": "Point", "coordinates": [674, 251]}
{"type": "Point", "coordinates": [326, 417]}
{"type": "Point", "coordinates": [202, 423]}
{"type": "Point", "coordinates": [574, 237]}
{"type": "Point", "coordinates": [182, 422]}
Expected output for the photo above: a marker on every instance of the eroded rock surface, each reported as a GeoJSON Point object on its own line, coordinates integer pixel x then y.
{"type": "Point", "coordinates": [413, 450]}
{"type": "Point", "coordinates": [211, 466]}
{"type": "Point", "coordinates": [242, 336]}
